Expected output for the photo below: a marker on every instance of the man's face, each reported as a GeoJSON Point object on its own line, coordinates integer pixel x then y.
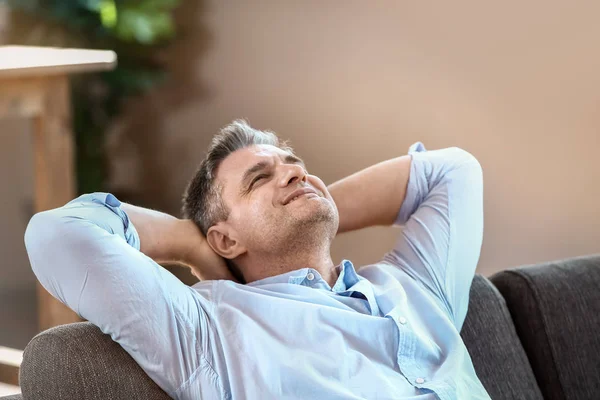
{"type": "Point", "coordinates": [274, 203]}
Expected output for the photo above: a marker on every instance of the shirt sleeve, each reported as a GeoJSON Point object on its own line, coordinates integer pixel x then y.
{"type": "Point", "coordinates": [86, 254]}
{"type": "Point", "coordinates": [442, 214]}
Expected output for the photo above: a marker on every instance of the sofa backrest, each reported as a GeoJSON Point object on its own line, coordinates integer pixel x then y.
{"type": "Point", "coordinates": [555, 307]}
{"type": "Point", "coordinates": [491, 339]}
{"type": "Point", "coordinates": [78, 361]}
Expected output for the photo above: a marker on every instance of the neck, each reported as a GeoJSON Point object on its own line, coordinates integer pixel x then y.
{"type": "Point", "coordinates": [274, 264]}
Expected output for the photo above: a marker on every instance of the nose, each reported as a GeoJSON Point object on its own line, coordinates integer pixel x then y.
{"type": "Point", "coordinates": [292, 173]}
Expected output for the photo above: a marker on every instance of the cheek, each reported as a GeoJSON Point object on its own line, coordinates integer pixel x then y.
{"type": "Point", "coordinates": [258, 208]}
{"type": "Point", "coordinates": [319, 185]}
{"type": "Point", "coordinates": [246, 219]}
{"type": "Point", "coordinates": [254, 210]}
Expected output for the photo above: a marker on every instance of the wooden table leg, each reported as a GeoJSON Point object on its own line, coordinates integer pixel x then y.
{"type": "Point", "coordinates": [54, 176]}
{"type": "Point", "coordinates": [34, 84]}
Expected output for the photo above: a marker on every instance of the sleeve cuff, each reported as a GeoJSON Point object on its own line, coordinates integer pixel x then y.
{"type": "Point", "coordinates": [417, 147]}
{"type": "Point", "coordinates": [112, 203]}
{"type": "Point", "coordinates": [411, 199]}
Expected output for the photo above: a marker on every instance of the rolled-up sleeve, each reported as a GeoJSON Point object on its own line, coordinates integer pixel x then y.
{"type": "Point", "coordinates": [86, 254]}
{"type": "Point", "coordinates": [442, 218]}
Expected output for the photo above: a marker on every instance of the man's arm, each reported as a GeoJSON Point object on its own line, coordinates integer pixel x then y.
{"type": "Point", "coordinates": [86, 254]}
{"type": "Point", "coordinates": [165, 238]}
{"type": "Point", "coordinates": [440, 206]}
{"type": "Point", "coordinates": [372, 196]}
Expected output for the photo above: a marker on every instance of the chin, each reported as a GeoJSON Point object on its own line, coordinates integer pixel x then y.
{"type": "Point", "coordinates": [323, 218]}
{"type": "Point", "coordinates": [301, 231]}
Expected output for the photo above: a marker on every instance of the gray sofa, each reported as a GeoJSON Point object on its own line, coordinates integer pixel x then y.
{"type": "Point", "coordinates": [533, 332]}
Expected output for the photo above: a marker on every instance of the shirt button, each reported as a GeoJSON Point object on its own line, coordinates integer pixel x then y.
{"type": "Point", "coordinates": [419, 380]}
{"type": "Point", "coordinates": [310, 276]}
{"type": "Point", "coordinates": [402, 320]}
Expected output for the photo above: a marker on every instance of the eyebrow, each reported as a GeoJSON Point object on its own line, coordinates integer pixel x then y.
{"type": "Point", "coordinates": [288, 159]}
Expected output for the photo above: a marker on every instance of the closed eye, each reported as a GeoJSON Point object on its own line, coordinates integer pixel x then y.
{"type": "Point", "coordinates": [258, 178]}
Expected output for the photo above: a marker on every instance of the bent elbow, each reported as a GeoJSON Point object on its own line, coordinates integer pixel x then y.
{"type": "Point", "coordinates": [38, 228]}
{"type": "Point", "coordinates": [463, 157]}
{"type": "Point", "coordinates": [41, 231]}
{"type": "Point", "coordinates": [468, 164]}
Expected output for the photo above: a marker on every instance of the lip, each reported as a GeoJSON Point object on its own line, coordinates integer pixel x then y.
{"type": "Point", "coordinates": [299, 192]}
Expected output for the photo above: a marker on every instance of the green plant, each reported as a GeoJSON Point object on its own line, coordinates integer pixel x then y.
{"type": "Point", "coordinates": [136, 31]}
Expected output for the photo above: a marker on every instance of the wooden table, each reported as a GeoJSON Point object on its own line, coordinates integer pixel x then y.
{"type": "Point", "coordinates": [34, 84]}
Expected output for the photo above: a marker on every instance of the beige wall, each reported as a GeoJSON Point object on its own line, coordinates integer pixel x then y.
{"type": "Point", "coordinates": [352, 83]}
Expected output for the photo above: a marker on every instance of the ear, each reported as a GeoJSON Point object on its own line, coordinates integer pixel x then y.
{"type": "Point", "coordinates": [222, 240]}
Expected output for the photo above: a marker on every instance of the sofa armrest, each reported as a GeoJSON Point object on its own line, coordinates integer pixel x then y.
{"type": "Point", "coordinates": [556, 311]}
{"type": "Point", "coordinates": [490, 337]}
{"type": "Point", "coordinates": [78, 361]}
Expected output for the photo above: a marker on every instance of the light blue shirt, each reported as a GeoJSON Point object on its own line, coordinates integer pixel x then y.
{"type": "Point", "coordinates": [388, 331]}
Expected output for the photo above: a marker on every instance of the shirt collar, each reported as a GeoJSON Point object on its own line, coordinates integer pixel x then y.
{"type": "Point", "coordinates": [347, 276]}
{"type": "Point", "coordinates": [346, 279]}
{"type": "Point", "coordinates": [295, 276]}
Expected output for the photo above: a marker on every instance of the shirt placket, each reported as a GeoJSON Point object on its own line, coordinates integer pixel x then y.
{"type": "Point", "coordinates": [409, 366]}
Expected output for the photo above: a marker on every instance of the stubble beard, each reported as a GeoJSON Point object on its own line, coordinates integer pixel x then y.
{"type": "Point", "coordinates": [314, 232]}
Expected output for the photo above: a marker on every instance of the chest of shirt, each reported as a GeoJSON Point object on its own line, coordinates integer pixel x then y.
{"type": "Point", "coordinates": [325, 328]}
{"type": "Point", "coordinates": [288, 346]}
{"type": "Point", "coordinates": [286, 334]}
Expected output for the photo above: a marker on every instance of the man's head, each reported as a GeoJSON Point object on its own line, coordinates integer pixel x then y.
{"type": "Point", "coordinates": [256, 204]}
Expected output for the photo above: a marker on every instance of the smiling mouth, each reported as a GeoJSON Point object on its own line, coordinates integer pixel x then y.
{"type": "Point", "coordinates": [302, 195]}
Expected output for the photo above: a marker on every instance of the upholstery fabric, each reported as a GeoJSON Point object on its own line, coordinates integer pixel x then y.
{"type": "Point", "coordinates": [556, 311]}
{"type": "Point", "coordinates": [490, 337]}
{"type": "Point", "coordinates": [78, 361]}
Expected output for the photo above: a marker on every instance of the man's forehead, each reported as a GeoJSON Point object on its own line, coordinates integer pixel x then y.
{"type": "Point", "coordinates": [235, 164]}
{"type": "Point", "coordinates": [265, 150]}
{"type": "Point", "coordinates": [248, 156]}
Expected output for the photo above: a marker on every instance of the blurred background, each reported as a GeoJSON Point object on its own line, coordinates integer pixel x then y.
{"type": "Point", "coordinates": [350, 83]}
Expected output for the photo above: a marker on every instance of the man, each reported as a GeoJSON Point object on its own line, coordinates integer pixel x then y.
{"type": "Point", "coordinates": [273, 317]}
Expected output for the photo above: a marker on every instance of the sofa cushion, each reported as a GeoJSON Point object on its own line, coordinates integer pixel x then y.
{"type": "Point", "coordinates": [492, 342]}
{"type": "Point", "coordinates": [556, 310]}
{"type": "Point", "coordinates": [78, 361]}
